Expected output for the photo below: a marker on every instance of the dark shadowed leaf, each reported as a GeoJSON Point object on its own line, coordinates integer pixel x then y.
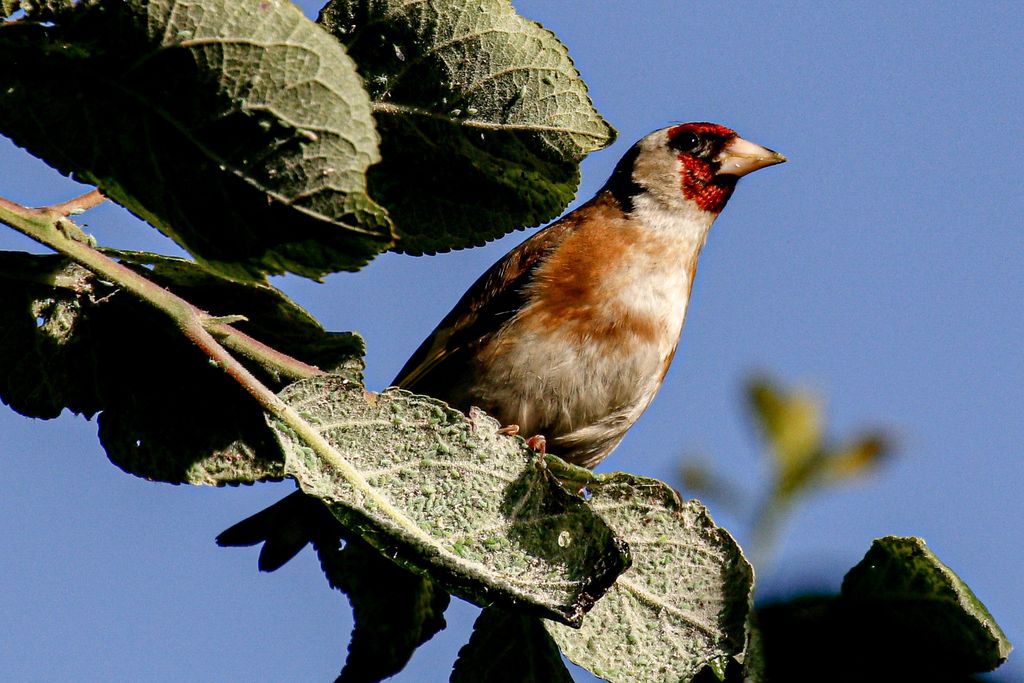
{"type": "Point", "coordinates": [683, 604]}
{"type": "Point", "coordinates": [72, 341]}
{"type": "Point", "coordinates": [448, 495]}
{"type": "Point", "coordinates": [813, 634]}
{"type": "Point", "coordinates": [913, 595]}
{"type": "Point", "coordinates": [509, 647]}
{"type": "Point", "coordinates": [902, 616]}
{"type": "Point", "coordinates": [482, 115]}
{"type": "Point", "coordinates": [395, 610]}
{"type": "Point", "coordinates": [238, 128]}
{"type": "Point", "coordinates": [271, 317]}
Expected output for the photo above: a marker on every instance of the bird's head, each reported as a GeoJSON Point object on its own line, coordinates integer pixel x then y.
{"type": "Point", "coordinates": [690, 165]}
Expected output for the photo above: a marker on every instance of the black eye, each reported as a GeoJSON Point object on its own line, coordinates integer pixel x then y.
{"type": "Point", "coordinates": [685, 141]}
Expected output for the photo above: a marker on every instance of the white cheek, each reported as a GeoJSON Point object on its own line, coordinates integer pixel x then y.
{"type": "Point", "coordinates": [674, 216]}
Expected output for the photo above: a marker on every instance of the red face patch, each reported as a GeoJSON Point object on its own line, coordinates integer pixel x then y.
{"type": "Point", "coordinates": [698, 180]}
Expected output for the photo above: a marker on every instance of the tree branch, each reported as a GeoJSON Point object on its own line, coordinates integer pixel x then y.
{"type": "Point", "coordinates": [47, 226]}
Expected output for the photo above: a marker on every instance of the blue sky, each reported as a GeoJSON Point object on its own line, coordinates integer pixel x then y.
{"type": "Point", "coordinates": [883, 267]}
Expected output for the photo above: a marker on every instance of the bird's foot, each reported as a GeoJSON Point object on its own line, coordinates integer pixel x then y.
{"type": "Point", "coordinates": [537, 442]}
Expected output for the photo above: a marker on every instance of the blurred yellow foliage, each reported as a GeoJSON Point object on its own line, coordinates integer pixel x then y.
{"type": "Point", "coordinates": [792, 423]}
{"type": "Point", "coordinates": [803, 458]}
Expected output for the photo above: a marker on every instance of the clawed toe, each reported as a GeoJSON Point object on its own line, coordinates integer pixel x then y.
{"type": "Point", "coordinates": [537, 442]}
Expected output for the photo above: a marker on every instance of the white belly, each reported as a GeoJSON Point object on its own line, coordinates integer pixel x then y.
{"type": "Point", "coordinates": [584, 391]}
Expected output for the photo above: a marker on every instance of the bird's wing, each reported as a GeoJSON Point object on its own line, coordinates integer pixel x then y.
{"type": "Point", "coordinates": [494, 298]}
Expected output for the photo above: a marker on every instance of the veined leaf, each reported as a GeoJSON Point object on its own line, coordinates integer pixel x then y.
{"type": "Point", "coordinates": [72, 341]}
{"type": "Point", "coordinates": [448, 495]}
{"type": "Point", "coordinates": [482, 115]}
{"type": "Point", "coordinates": [239, 128]}
{"type": "Point", "coordinates": [683, 603]}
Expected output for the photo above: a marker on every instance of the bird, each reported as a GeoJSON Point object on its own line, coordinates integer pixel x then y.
{"type": "Point", "coordinates": [569, 336]}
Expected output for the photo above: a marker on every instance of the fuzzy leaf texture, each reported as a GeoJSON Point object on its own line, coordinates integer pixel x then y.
{"type": "Point", "coordinates": [71, 341]}
{"type": "Point", "coordinates": [483, 117]}
{"type": "Point", "coordinates": [238, 128]}
{"type": "Point", "coordinates": [449, 496]}
{"type": "Point", "coordinates": [912, 594]}
{"type": "Point", "coordinates": [682, 605]}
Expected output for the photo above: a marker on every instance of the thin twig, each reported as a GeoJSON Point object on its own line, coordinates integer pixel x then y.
{"type": "Point", "coordinates": [79, 204]}
{"type": "Point", "coordinates": [280, 364]}
{"type": "Point", "coordinates": [16, 208]}
{"type": "Point", "coordinates": [48, 227]}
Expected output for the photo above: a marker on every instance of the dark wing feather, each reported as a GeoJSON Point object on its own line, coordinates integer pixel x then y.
{"type": "Point", "coordinates": [436, 366]}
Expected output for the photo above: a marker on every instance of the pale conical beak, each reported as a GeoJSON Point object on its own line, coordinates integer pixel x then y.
{"type": "Point", "coordinates": [740, 157]}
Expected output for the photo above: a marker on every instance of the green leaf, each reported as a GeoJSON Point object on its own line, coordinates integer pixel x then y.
{"type": "Point", "coordinates": [240, 129]}
{"type": "Point", "coordinates": [903, 616]}
{"type": "Point", "coordinates": [843, 640]}
{"type": "Point", "coordinates": [508, 647]}
{"type": "Point", "coordinates": [70, 340]}
{"type": "Point", "coordinates": [270, 316]}
{"type": "Point", "coordinates": [482, 115]}
{"type": "Point", "coordinates": [395, 610]}
{"type": "Point", "coordinates": [914, 597]}
{"type": "Point", "coordinates": [449, 496]}
{"type": "Point", "coordinates": [47, 362]}
{"type": "Point", "coordinates": [684, 602]}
